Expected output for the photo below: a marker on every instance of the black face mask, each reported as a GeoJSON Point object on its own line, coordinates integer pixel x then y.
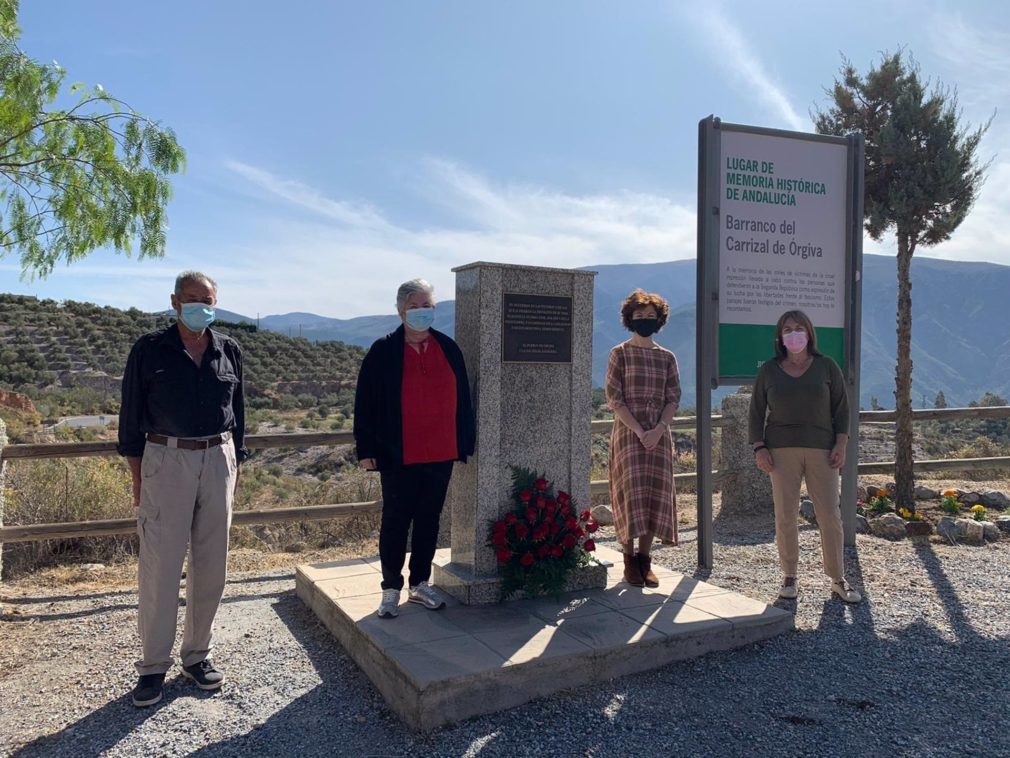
{"type": "Point", "coordinates": [645, 327]}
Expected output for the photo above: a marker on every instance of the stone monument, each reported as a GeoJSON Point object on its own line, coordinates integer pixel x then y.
{"type": "Point", "coordinates": [526, 333]}
{"type": "Point", "coordinates": [745, 488]}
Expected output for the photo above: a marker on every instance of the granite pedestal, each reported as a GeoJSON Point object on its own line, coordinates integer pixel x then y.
{"type": "Point", "coordinates": [532, 410]}
{"type": "Point", "coordinates": [438, 667]}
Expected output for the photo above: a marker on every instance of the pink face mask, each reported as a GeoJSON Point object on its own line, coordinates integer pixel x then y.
{"type": "Point", "coordinates": [795, 342]}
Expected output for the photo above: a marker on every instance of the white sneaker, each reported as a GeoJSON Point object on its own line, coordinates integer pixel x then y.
{"type": "Point", "coordinates": [424, 594]}
{"type": "Point", "coordinates": [845, 592]}
{"type": "Point", "coordinates": [788, 589]}
{"type": "Point", "coordinates": [389, 607]}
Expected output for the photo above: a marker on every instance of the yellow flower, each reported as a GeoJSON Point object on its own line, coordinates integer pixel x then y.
{"type": "Point", "coordinates": [978, 508]}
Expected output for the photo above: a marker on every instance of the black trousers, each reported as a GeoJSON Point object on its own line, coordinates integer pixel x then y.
{"type": "Point", "coordinates": [411, 495]}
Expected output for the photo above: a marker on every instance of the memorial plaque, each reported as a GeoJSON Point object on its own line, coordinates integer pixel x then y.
{"type": "Point", "coordinates": [536, 329]}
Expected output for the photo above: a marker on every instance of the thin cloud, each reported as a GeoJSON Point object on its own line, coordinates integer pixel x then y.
{"type": "Point", "coordinates": [980, 57]}
{"type": "Point", "coordinates": [304, 196]}
{"type": "Point", "coordinates": [739, 60]}
{"type": "Point", "coordinates": [357, 253]}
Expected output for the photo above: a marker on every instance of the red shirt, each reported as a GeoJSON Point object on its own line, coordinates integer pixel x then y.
{"type": "Point", "coordinates": [428, 397]}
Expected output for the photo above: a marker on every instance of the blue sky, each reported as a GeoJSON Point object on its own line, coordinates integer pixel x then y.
{"type": "Point", "coordinates": [338, 148]}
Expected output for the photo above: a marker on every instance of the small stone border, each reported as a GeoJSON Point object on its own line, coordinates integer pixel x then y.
{"type": "Point", "coordinates": [956, 529]}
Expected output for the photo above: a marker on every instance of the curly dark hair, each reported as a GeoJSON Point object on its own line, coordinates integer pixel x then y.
{"type": "Point", "coordinates": [641, 299]}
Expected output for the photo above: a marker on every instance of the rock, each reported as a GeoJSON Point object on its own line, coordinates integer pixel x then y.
{"type": "Point", "coordinates": [296, 547]}
{"type": "Point", "coordinates": [871, 491]}
{"type": "Point", "coordinates": [91, 566]}
{"type": "Point", "coordinates": [17, 401]}
{"type": "Point", "coordinates": [968, 498]}
{"type": "Point", "coordinates": [925, 493]}
{"type": "Point", "coordinates": [861, 492]}
{"type": "Point", "coordinates": [918, 528]}
{"type": "Point", "coordinates": [996, 500]}
{"type": "Point", "coordinates": [603, 515]}
{"type": "Point", "coordinates": [969, 531]}
{"type": "Point", "coordinates": [1003, 524]}
{"type": "Point", "coordinates": [890, 526]}
{"type": "Point", "coordinates": [807, 511]}
{"type": "Point", "coordinates": [990, 531]}
{"type": "Point", "coordinates": [863, 526]}
{"type": "Point", "coordinates": [947, 527]}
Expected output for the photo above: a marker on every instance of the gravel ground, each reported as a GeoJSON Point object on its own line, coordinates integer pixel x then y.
{"type": "Point", "coordinates": [920, 668]}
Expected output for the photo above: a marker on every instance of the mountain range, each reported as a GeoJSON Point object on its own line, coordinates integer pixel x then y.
{"type": "Point", "coordinates": [960, 328]}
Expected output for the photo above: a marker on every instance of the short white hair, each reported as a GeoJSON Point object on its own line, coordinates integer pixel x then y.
{"type": "Point", "coordinates": [412, 287]}
{"type": "Point", "coordinates": [193, 276]}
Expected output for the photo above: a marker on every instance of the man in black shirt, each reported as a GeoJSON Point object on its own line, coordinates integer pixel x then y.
{"type": "Point", "coordinates": [182, 430]}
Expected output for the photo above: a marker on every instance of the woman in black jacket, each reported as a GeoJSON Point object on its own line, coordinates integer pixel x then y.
{"type": "Point", "coordinates": [412, 419]}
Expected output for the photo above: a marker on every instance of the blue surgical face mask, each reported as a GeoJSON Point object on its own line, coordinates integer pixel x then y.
{"type": "Point", "coordinates": [196, 316]}
{"type": "Point", "coordinates": [419, 319]}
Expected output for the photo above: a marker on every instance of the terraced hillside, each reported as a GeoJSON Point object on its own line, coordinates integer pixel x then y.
{"type": "Point", "coordinates": [69, 357]}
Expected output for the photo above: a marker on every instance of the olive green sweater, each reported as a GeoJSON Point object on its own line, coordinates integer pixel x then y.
{"type": "Point", "coordinates": [801, 412]}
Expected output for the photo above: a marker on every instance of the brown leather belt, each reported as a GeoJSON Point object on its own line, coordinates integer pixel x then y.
{"type": "Point", "coordinates": [159, 439]}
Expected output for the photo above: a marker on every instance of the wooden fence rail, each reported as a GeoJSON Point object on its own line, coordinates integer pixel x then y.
{"type": "Point", "coordinates": [78, 529]}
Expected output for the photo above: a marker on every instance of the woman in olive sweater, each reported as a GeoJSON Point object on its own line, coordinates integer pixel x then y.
{"type": "Point", "coordinates": [799, 427]}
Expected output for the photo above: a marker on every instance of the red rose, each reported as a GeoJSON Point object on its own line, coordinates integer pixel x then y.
{"type": "Point", "coordinates": [572, 523]}
{"type": "Point", "coordinates": [511, 518]}
{"type": "Point", "coordinates": [522, 531]}
{"type": "Point", "coordinates": [580, 533]}
{"type": "Point", "coordinates": [525, 496]}
{"type": "Point", "coordinates": [586, 515]}
{"type": "Point", "coordinates": [541, 485]}
{"type": "Point", "coordinates": [566, 510]}
{"type": "Point", "coordinates": [563, 497]}
{"type": "Point", "coordinates": [503, 554]}
{"type": "Point", "coordinates": [543, 550]}
{"type": "Point", "coordinates": [499, 538]}
{"type": "Point", "coordinates": [552, 508]}
{"type": "Point", "coordinates": [526, 560]}
{"type": "Point", "coordinates": [569, 541]}
{"type": "Point", "coordinates": [555, 527]}
{"type": "Point", "coordinates": [557, 551]}
{"type": "Point", "coordinates": [592, 526]}
{"type": "Point", "coordinates": [541, 502]}
{"type": "Point", "coordinates": [540, 533]}
{"type": "Point", "coordinates": [531, 514]}
{"type": "Point", "coordinates": [589, 546]}
{"type": "Point", "coordinates": [500, 526]}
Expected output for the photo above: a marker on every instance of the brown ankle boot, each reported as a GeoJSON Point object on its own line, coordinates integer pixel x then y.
{"type": "Point", "coordinates": [632, 572]}
{"type": "Point", "coordinates": [645, 567]}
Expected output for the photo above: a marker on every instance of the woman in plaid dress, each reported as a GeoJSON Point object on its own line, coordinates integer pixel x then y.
{"type": "Point", "coordinates": [643, 390]}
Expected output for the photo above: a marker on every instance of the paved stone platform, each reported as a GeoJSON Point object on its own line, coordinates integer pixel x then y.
{"type": "Point", "coordinates": [437, 667]}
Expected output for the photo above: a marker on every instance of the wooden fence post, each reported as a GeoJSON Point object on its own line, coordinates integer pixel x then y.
{"type": "Point", "coordinates": [3, 488]}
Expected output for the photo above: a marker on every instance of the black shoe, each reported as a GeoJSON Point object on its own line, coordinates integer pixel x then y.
{"type": "Point", "coordinates": [204, 674]}
{"type": "Point", "coordinates": [149, 690]}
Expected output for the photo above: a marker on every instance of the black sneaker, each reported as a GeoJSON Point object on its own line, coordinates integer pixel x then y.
{"type": "Point", "coordinates": [204, 674]}
{"type": "Point", "coordinates": [149, 690]}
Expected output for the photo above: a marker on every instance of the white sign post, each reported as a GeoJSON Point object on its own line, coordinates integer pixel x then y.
{"type": "Point", "coordinates": [779, 228]}
{"type": "Point", "coordinates": [782, 244]}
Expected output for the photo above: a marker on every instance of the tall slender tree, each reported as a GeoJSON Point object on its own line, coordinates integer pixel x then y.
{"type": "Point", "coordinates": [75, 179]}
{"type": "Point", "coordinates": [922, 176]}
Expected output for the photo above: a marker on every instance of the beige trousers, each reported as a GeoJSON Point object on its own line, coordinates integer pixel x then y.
{"type": "Point", "coordinates": [792, 466]}
{"type": "Point", "coordinates": [185, 500]}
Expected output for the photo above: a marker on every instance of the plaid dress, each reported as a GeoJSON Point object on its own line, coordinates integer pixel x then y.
{"type": "Point", "coordinates": [641, 481]}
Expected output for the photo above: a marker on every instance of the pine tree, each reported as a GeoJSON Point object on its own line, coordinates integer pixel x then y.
{"type": "Point", "coordinates": [941, 400]}
{"type": "Point", "coordinates": [922, 176]}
